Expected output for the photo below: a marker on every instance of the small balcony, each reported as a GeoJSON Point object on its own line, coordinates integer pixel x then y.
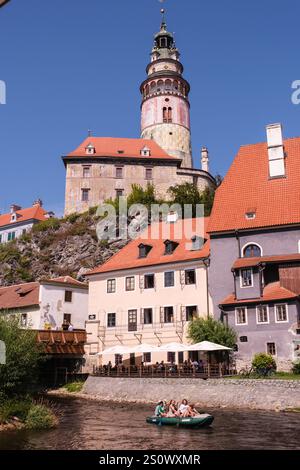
{"type": "Point", "coordinates": [62, 342]}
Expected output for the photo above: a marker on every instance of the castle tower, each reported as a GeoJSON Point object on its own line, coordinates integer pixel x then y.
{"type": "Point", "coordinates": [165, 102]}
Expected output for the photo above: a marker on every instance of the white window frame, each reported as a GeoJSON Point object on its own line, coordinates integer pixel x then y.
{"type": "Point", "coordinates": [273, 355]}
{"type": "Point", "coordinates": [268, 315]}
{"type": "Point", "coordinates": [130, 277]}
{"type": "Point", "coordinates": [251, 243]}
{"type": "Point", "coordinates": [153, 315]}
{"type": "Point", "coordinates": [174, 278]}
{"type": "Point", "coordinates": [287, 313]}
{"type": "Point", "coordinates": [111, 327]}
{"type": "Point", "coordinates": [114, 291]}
{"type": "Point", "coordinates": [246, 314]}
{"type": "Point", "coordinates": [241, 278]}
{"type": "Point", "coordinates": [149, 274]}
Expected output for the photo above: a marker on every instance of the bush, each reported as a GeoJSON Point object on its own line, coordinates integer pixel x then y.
{"type": "Point", "coordinates": [40, 417]}
{"type": "Point", "coordinates": [49, 224]}
{"type": "Point", "coordinates": [296, 368]}
{"type": "Point", "coordinates": [264, 363]}
{"type": "Point", "coordinates": [72, 218]}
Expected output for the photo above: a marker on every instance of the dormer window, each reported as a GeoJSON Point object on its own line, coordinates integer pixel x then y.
{"type": "Point", "coordinates": [170, 247]}
{"type": "Point", "coordinates": [90, 149]}
{"type": "Point", "coordinates": [250, 214]}
{"type": "Point", "coordinates": [197, 243]}
{"type": "Point", "coordinates": [144, 250]}
{"type": "Point", "coordinates": [120, 152]}
{"type": "Point", "coordinates": [145, 152]}
{"type": "Point", "coordinates": [13, 217]}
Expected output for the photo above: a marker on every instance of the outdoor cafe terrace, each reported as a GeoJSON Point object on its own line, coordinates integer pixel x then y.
{"type": "Point", "coordinates": [189, 369]}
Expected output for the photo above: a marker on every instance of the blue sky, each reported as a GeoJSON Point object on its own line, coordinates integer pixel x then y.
{"type": "Point", "coordinates": [72, 65]}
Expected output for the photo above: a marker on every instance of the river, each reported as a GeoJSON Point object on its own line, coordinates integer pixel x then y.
{"type": "Point", "coordinates": [101, 426]}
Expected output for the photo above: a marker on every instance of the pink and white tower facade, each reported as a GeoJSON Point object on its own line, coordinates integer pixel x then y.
{"type": "Point", "coordinates": [165, 102]}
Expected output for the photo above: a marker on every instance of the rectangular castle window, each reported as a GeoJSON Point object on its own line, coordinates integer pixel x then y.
{"type": "Point", "coordinates": [241, 316]}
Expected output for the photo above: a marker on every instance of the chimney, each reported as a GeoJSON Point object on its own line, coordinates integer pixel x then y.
{"type": "Point", "coordinates": [14, 208]}
{"type": "Point", "coordinates": [204, 159]}
{"type": "Point", "coordinates": [38, 202]}
{"type": "Point", "coordinates": [275, 151]}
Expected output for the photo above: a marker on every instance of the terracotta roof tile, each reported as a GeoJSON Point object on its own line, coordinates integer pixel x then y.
{"type": "Point", "coordinates": [247, 184]}
{"type": "Point", "coordinates": [120, 147]}
{"type": "Point", "coordinates": [65, 280]}
{"type": "Point", "coordinates": [127, 258]}
{"type": "Point", "coordinates": [18, 296]}
{"type": "Point", "coordinates": [255, 261]}
{"type": "Point", "coordinates": [272, 292]}
{"type": "Point", "coordinates": [31, 213]}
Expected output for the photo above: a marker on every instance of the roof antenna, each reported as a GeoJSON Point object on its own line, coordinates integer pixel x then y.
{"type": "Point", "coordinates": [89, 133]}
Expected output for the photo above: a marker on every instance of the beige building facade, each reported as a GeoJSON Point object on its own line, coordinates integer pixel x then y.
{"type": "Point", "coordinates": [136, 299]}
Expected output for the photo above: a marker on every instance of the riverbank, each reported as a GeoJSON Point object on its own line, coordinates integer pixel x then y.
{"type": "Point", "coordinates": [23, 413]}
{"type": "Point", "coordinates": [264, 394]}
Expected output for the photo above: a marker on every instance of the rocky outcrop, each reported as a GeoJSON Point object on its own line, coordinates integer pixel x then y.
{"type": "Point", "coordinates": [61, 247]}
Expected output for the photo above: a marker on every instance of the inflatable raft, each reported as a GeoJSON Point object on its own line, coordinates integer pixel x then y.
{"type": "Point", "coordinates": [196, 422]}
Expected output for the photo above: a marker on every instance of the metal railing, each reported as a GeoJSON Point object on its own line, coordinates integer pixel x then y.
{"type": "Point", "coordinates": [168, 371]}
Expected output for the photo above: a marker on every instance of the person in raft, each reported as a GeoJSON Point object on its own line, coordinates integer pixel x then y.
{"type": "Point", "coordinates": [160, 410]}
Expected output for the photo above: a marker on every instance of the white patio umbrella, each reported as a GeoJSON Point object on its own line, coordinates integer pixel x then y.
{"type": "Point", "coordinates": [173, 347]}
{"type": "Point", "coordinates": [120, 349]}
{"type": "Point", "coordinates": [207, 346]}
{"type": "Point", "coordinates": [143, 348]}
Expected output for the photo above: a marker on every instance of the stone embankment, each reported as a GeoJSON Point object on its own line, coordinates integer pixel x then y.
{"type": "Point", "coordinates": [276, 395]}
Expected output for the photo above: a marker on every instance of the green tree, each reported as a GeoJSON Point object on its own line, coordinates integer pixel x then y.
{"type": "Point", "coordinates": [143, 196]}
{"type": "Point", "coordinates": [22, 357]}
{"type": "Point", "coordinates": [209, 329]}
{"type": "Point", "coordinates": [188, 193]}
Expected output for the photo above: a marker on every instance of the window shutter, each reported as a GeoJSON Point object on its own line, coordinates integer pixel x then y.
{"type": "Point", "coordinates": [142, 282]}
{"type": "Point", "coordinates": [162, 314]}
{"type": "Point", "coordinates": [142, 316]}
{"type": "Point", "coordinates": [182, 278]}
{"type": "Point", "coordinates": [183, 313]}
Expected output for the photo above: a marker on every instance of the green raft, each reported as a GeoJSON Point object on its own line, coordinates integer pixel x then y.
{"type": "Point", "coordinates": [197, 422]}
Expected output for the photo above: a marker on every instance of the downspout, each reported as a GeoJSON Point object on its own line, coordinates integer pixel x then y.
{"type": "Point", "coordinates": [234, 282]}
{"type": "Point", "coordinates": [261, 268]}
{"type": "Point", "coordinates": [239, 242]}
{"type": "Point", "coordinates": [206, 263]}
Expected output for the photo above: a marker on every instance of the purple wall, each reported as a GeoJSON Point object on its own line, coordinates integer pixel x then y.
{"type": "Point", "coordinates": [224, 251]}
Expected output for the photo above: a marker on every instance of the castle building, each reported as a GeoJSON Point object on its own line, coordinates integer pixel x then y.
{"type": "Point", "coordinates": [104, 168]}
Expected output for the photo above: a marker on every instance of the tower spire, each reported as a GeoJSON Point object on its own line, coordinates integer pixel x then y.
{"type": "Point", "coordinates": [163, 26]}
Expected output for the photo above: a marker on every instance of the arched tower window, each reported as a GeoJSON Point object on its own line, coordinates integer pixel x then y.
{"type": "Point", "coordinates": [160, 85]}
{"type": "Point", "coordinates": [252, 251]}
{"type": "Point", "coordinates": [168, 84]}
{"type": "Point", "coordinates": [152, 87]}
{"type": "Point", "coordinates": [167, 114]}
{"type": "Point", "coordinates": [175, 84]}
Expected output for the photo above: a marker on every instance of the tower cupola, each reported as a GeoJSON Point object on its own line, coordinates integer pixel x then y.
{"type": "Point", "coordinates": [165, 103]}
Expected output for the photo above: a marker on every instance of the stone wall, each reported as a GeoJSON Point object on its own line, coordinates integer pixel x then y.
{"type": "Point", "coordinates": [226, 393]}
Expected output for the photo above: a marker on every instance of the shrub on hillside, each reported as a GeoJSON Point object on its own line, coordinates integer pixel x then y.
{"type": "Point", "coordinates": [49, 224]}
{"type": "Point", "coordinates": [263, 363]}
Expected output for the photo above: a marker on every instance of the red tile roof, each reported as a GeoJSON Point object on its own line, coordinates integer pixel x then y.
{"type": "Point", "coordinates": [18, 296]}
{"type": "Point", "coordinates": [66, 281]}
{"type": "Point", "coordinates": [23, 215]}
{"type": "Point", "coordinates": [255, 261]}
{"type": "Point", "coordinates": [128, 257]}
{"type": "Point", "coordinates": [272, 292]}
{"type": "Point", "coordinates": [247, 184]}
{"type": "Point", "coordinates": [111, 147]}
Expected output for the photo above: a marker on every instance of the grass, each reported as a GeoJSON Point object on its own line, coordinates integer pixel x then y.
{"type": "Point", "coordinates": [74, 387]}
{"type": "Point", "coordinates": [31, 414]}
